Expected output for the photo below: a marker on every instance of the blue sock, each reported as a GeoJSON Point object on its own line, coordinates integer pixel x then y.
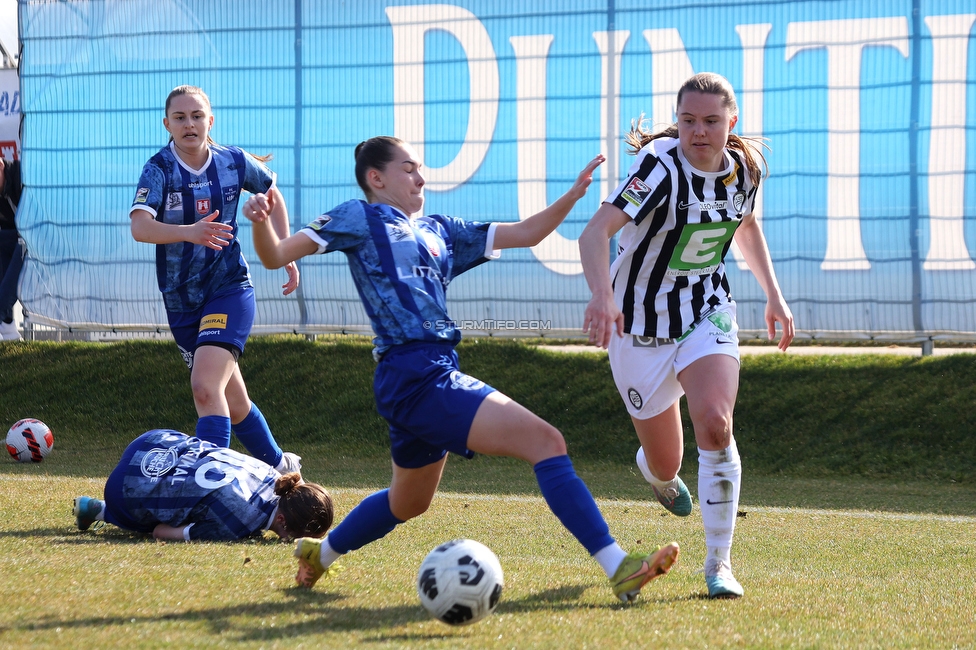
{"type": "Point", "coordinates": [570, 500]}
{"type": "Point", "coordinates": [215, 429]}
{"type": "Point", "coordinates": [255, 435]}
{"type": "Point", "coordinates": [371, 520]}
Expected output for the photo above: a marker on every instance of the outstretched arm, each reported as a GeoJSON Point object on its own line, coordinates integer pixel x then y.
{"type": "Point", "coordinates": [273, 251]}
{"type": "Point", "coordinates": [752, 243]}
{"type": "Point", "coordinates": [533, 230]}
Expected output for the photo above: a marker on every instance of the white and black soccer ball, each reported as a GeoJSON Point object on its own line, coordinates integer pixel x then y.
{"type": "Point", "coordinates": [29, 441]}
{"type": "Point", "coordinates": [460, 582]}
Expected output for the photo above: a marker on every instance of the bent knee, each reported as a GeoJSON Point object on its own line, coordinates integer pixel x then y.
{"type": "Point", "coordinates": [714, 430]}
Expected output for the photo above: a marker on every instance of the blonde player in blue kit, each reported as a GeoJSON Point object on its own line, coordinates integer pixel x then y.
{"type": "Point", "coordinates": [402, 264]}
{"type": "Point", "coordinates": [665, 309]}
{"type": "Point", "coordinates": [186, 204]}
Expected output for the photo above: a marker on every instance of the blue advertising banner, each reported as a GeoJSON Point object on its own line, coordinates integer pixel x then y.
{"type": "Point", "coordinates": [868, 107]}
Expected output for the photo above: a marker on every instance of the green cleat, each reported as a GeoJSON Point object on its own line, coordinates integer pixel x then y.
{"type": "Point", "coordinates": [637, 570]}
{"type": "Point", "coordinates": [86, 511]}
{"type": "Point", "coordinates": [310, 569]}
{"type": "Point", "coordinates": [721, 583]}
{"type": "Point", "coordinates": [677, 498]}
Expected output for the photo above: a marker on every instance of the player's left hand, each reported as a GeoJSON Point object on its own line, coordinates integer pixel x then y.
{"type": "Point", "coordinates": [777, 311]}
{"type": "Point", "coordinates": [293, 277]}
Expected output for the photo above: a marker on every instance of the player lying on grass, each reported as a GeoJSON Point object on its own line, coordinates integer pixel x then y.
{"type": "Point", "coordinates": [402, 263]}
{"type": "Point", "coordinates": [182, 488]}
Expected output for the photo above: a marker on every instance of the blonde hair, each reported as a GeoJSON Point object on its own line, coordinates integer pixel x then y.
{"type": "Point", "coordinates": [710, 84]}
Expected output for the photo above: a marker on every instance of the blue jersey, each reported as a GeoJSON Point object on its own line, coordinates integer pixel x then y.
{"type": "Point", "coordinates": [402, 266]}
{"type": "Point", "coordinates": [189, 274]}
{"type": "Point", "coordinates": [176, 479]}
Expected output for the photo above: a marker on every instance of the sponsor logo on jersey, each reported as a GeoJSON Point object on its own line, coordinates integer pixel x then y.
{"type": "Point", "coordinates": [738, 200]}
{"type": "Point", "coordinates": [635, 398]}
{"type": "Point", "coordinates": [637, 190]}
{"type": "Point", "coordinates": [214, 322]}
{"type": "Point", "coordinates": [142, 195]}
{"type": "Point", "coordinates": [230, 194]}
{"type": "Point", "coordinates": [319, 223]}
{"type": "Point", "coordinates": [461, 381]}
{"type": "Point", "coordinates": [158, 462]}
{"type": "Point", "coordinates": [420, 271]}
{"type": "Point", "coordinates": [174, 201]}
{"type": "Point", "coordinates": [715, 205]}
{"type": "Point", "coordinates": [203, 206]}
{"type": "Point", "coordinates": [198, 184]}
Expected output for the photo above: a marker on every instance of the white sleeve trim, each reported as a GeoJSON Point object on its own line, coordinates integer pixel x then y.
{"type": "Point", "coordinates": [491, 252]}
{"type": "Point", "coordinates": [186, 532]}
{"type": "Point", "coordinates": [314, 236]}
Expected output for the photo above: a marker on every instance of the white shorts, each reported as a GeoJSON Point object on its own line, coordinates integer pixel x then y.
{"type": "Point", "coordinates": [646, 369]}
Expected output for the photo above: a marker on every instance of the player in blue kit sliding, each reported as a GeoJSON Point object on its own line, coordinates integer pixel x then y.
{"type": "Point", "coordinates": [186, 204]}
{"type": "Point", "coordinates": [402, 264]}
{"type": "Point", "coordinates": [178, 487]}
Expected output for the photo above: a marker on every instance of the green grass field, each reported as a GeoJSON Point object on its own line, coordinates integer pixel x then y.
{"type": "Point", "coordinates": [857, 525]}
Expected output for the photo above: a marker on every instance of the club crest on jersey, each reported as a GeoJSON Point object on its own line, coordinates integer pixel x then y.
{"type": "Point", "coordinates": [230, 193]}
{"type": "Point", "coordinates": [174, 201]}
{"type": "Point", "coordinates": [635, 398]}
{"type": "Point", "coordinates": [637, 190]}
{"type": "Point", "coordinates": [158, 462]}
{"type": "Point", "coordinates": [142, 195]}
{"type": "Point", "coordinates": [203, 206]}
{"type": "Point", "coordinates": [397, 232]}
{"type": "Point", "coordinates": [738, 201]}
{"type": "Point", "coordinates": [431, 241]}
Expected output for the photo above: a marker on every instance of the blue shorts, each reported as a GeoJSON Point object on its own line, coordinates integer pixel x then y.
{"type": "Point", "coordinates": [428, 403]}
{"type": "Point", "coordinates": [225, 321]}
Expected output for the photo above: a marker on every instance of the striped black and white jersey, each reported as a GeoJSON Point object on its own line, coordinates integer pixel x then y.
{"type": "Point", "coordinates": [670, 267]}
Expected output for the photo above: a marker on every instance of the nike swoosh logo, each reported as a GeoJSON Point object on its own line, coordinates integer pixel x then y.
{"type": "Point", "coordinates": [715, 503]}
{"type": "Point", "coordinates": [685, 206]}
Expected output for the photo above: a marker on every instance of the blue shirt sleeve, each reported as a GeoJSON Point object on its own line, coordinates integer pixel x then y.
{"type": "Point", "coordinates": [468, 241]}
{"type": "Point", "coordinates": [342, 228]}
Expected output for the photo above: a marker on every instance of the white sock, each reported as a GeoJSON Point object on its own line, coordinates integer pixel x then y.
{"type": "Point", "coordinates": [101, 513]}
{"type": "Point", "coordinates": [326, 555]}
{"type": "Point", "coordinates": [610, 558]}
{"type": "Point", "coordinates": [649, 477]}
{"type": "Point", "coordinates": [719, 480]}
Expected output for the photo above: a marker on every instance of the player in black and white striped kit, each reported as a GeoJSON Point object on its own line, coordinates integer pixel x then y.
{"type": "Point", "coordinates": [689, 192]}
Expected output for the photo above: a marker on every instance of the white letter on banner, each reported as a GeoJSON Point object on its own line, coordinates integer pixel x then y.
{"type": "Point", "coordinates": [410, 24]}
{"type": "Point", "coordinates": [845, 40]}
{"type": "Point", "coordinates": [556, 252]}
{"type": "Point", "coordinates": [670, 67]}
{"type": "Point", "coordinates": [750, 123]}
{"type": "Point", "coordinates": [947, 146]}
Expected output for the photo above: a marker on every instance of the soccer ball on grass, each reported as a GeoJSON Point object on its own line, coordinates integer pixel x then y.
{"type": "Point", "coordinates": [29, 440]}
{"type": "Point", "coordinates": [460, 582]}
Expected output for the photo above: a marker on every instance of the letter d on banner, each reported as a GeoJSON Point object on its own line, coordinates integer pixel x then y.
{"type": "Point", "coordinates": [410, 24]}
